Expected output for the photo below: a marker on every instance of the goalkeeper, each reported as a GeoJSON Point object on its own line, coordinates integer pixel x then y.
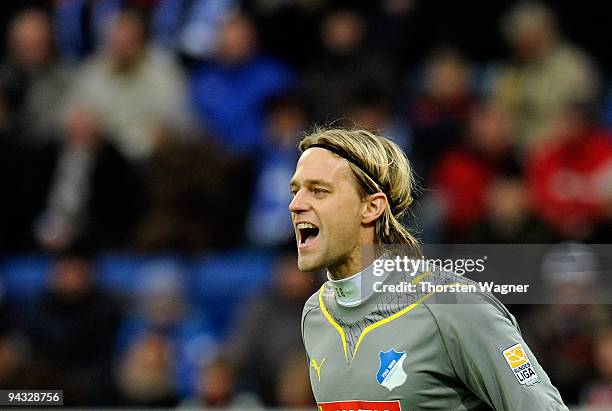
{"type": "Point", "coordinates": [373, 350]}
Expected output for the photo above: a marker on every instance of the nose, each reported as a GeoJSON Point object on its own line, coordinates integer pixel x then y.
{"type": "Point", "coordinates": [299, 203]}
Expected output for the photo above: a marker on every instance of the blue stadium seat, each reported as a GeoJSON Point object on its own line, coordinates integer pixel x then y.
{"type": "Point", "coordinates": [25, 276]}
{"type": "Point", "coordinates": [218, 283]}
{"type": "Point", "coordinates": [223, 281]}
{"type": "Point", "coordinates": [119, 273]}
{"type": "Point", "coordinates": [126, 273]}
{"type": "Point", "coordinates": [232, 274]}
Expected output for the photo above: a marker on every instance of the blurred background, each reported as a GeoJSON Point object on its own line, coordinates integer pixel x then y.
{"type": "Point", "coordinates": [146, 250]}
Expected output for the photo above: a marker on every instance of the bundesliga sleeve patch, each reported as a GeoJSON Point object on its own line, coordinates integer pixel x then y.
{"type": "Point", "coordinates": [520, 365]}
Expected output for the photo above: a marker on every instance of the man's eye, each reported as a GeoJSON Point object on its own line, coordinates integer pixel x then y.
{"type": "Point", "coordinates": [319, 191]}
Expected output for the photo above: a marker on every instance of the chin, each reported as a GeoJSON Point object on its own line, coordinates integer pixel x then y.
{"type": "Point", "coordinates": [306, 264]}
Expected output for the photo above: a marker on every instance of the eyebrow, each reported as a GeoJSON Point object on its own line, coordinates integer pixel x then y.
{"type": "Point", "coordinates": [311, 182]}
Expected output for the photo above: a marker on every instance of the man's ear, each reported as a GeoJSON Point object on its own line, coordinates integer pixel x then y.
{"type": "Point", "coordinates": [375, 205]}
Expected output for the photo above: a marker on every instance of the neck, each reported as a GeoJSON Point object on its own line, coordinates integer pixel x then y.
{"type": "Point", "coordinates": [353, 290]}
{"type": "Point", "coordinates": [362, 256]}
{"type": "Point", "coordinates": [345, 270]}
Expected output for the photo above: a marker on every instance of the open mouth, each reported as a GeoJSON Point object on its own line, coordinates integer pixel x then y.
{"type": "Point", "coordinates": [307, 233]}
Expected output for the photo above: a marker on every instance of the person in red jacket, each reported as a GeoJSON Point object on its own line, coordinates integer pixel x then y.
{"type": "Point", "coordinates": [570, 178]}
{"type": "Point", "coordinates": [462, 177]}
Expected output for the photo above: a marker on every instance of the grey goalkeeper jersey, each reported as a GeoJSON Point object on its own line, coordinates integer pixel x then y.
{"type": "Point", "coordinates": [416, 350]}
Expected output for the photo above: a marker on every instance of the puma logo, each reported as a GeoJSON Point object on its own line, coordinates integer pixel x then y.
{"type": "Point", "coordinates": [317, 367]}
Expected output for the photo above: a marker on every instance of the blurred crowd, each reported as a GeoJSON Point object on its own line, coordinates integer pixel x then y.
{"type": "Point", "coordinates": [172, 125]}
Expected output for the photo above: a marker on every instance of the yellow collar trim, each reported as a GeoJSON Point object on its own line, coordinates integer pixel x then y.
{"type": "Point", "coordinates": [370, 327]}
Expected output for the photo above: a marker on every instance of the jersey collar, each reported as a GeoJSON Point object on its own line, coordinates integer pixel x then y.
{"type": "Point", "coordinates": [354, 290]}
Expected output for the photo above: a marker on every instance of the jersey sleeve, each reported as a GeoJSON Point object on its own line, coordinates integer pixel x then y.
{"type": "Point", "coordinates": [311, 304]}
{"type": "Point", "coordinates": [491, 358]}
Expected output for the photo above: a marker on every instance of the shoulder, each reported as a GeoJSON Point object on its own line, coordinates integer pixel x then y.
{"type": "Point", "coordinates": [466, 306]}
{"type": "Point", "coordinates": [569, 54]}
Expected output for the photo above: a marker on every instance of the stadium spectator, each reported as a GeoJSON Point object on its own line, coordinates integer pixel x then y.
{"type": "Point", "coordinates": [162, 307]}
{"type": "Point", "coordinates": [134, 87]}
{"type": "Point", "coordinates": [32, 76]}
{"type": "Point", "coordinates": [598, 393]}
{"type": "Point", "coordinates": [441, 107]}
{"type": "Point", "coordinates": [145, 376]}
{"type": "Point", "coordinates": [293, 387]}
{"type": "Point", "coordinates": [546, 75]}
{"type": "Point", "coordinates": [72, 329]}
{"type": "Point", "coordinates": [82, 189]}
{"type": "Point", "coordinates": [13, 372]}
{"type": "Point", "coordinates": [193, 182]}
{"type": "Point", "coordinates": [344, 65]}
{"type": "Point", "coordinates": [267, 222]}
{"type": "Point", "coordinates": [462, 177]}
{"type": "Point", "coordinates": [570, 176]}
{"type": "Point", "coordinates": [373, 110]}
{"type": "Point", "coordinates": [395, 21]}
{"type": "Point", "coordinates": [80, 26]}
{"type": "Point", "coordinates": [508, 218]}
{"type": "Point", "coordinates": [189, 27]}
{"type": "Point", "coordinates": [215, 387]}
{"type": "Point", "coordinates": [229, 92]}
{"type": "Point", "coordinates": [560, 331]}
{"type": "Point", "coordinates": [13, 353]}
{"type": "Point", "coordinates": [261, 357]}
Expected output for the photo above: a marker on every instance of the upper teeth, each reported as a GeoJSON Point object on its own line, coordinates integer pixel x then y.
{"type": "Point", "coordinates": [305, 225]}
